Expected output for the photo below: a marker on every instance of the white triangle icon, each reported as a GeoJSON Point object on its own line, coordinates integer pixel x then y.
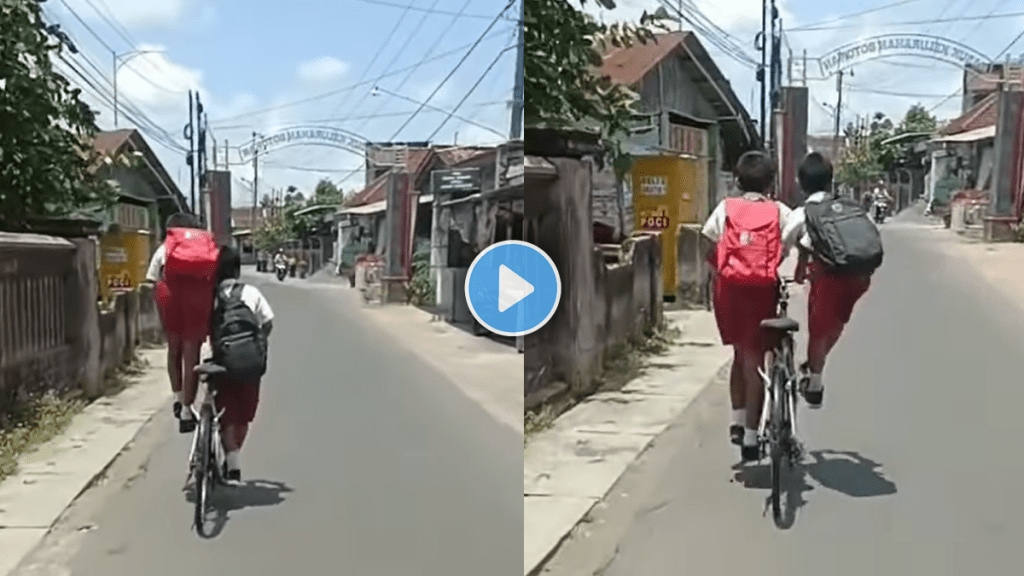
{"type": "Point", "coordinates": [512, 288]}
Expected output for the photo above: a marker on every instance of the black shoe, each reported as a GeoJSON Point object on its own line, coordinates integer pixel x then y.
{"type": "Point", "coordinates": [814, 398]}
{"type": "Point", "coordinates": [736, 434]}
{"type": "Point", "coordinates": [186, 426]}
{"type": "Point", "coordinates": [750, 453]}
{"type": "Point", "coordinates": [234, 475]}
{"type": "Point", "coordinates": [177, 409]}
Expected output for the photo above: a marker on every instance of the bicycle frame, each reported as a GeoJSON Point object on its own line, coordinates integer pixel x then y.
{"type": "Point", "coordinates": [218, 447]}
{"type": "Point", "coordinates": [781, 362]}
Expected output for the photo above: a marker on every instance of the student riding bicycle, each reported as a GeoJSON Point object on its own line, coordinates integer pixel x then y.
{"type": "Point", "coordinates": [749, 247]}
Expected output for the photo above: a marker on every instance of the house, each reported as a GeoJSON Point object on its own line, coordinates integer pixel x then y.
{"type": "Point", "coordinates": [963, 153]}
{"type": "Point", "coordinates": [477, 201]}
{"type": "Point", "coordinates": [361, 221]}
{"type": "Point", "coordinates": [147, 196]}
{"type": "Point", "coordinates": [690, 130]}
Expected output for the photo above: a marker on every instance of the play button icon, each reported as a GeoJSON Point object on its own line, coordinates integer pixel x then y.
{"type": "Point", "coordinates": [513, 288]}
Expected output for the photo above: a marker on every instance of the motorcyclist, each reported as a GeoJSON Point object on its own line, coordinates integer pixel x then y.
{"type": "Point", "coordinates": [279, 259]}
{"type": "Point", "coordinates": [880, 197]}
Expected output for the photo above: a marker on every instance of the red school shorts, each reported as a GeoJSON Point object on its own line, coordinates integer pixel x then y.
{"type": "Point", "coordinates": [739, 310]}
{"type": "Point", "coordinates": [238, 400]}
{"type": "Point", "coordinates": [831, 300]}
{"type": "Point", "coordinates": [185, 307]}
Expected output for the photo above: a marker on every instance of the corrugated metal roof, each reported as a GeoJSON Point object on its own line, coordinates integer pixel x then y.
{"type": "Point", "coordinates": [985, 113]}
{"type": "Point", "coordinates": [629, 65]}
{"type": "Point", "coordinates": [975, 135]}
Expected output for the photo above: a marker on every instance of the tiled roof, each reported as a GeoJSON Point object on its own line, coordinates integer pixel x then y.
{"type": "Point", "coordinates": [629, 65]}
{"type": "Point", "coordinates": [983, 114]}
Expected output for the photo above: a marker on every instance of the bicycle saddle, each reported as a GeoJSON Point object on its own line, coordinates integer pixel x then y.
{"type": "Point", "coordinates": [208, 368]}
{"type": "Point", "coordinates": [786, 324]}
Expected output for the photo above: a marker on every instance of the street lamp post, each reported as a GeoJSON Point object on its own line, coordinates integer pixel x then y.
{"type": "Point", "coordinates": [120, 60]}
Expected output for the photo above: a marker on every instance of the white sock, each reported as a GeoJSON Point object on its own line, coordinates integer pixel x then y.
{"type": "Point", "coordinates": [749, 437]}
{"type": "Point", "coordinates": [178, 396]}
{"type": "Point", "coordinates": [739, 417]}
{"type": "Point", "coordinates": [233, 461]}
{"type": "Point", "coordinates": [814, 383]}
{"type": "Point", "coordinates": [186, 412]}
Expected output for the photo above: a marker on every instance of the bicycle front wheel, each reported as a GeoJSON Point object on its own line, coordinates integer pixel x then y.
{"type": "Point", "coordinates": [204, 468]}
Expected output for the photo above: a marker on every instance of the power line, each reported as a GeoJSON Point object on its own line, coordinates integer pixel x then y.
{"type": "Point", "coordinates": [857, 14]}
{"type": "Point", "coordinates": [432, 11]}
{"type": "Point", "coordinates": [999, 16]}
{"type": "Point", "coordinates": [350, 87]}
{"type": "Point", "coordinates": [893, 93]}
{"type": "Point", "coordinates": [401, 49]}
{"type": "Point", "coordinates": [454, 70]}
{"type": "Point", "coordinates": [371, 116]}
{"type": "Point", "coordinates": [469, 92]}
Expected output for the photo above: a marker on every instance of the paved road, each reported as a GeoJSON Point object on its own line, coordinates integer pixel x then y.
{"type": "Point", "coordinates": [366, 462]}
{"type": "Point", "coordinates": [916, 466]}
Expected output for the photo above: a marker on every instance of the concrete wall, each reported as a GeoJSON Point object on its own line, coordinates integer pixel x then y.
{"type": "Point", "coordinates": [53, 336]}
{"type": "Point", "coordinates": [603, 304]}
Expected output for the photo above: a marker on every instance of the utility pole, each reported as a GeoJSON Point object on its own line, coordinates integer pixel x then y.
{"type": "Point", "coordinates": [764, 64]}
{"type": "Point", "coordinates": [517, 93]}
{"type": "Point", "coordinates": [775, 82]}
{"type": "Point", "coordinates": [255, 182]}
{"type": "Point", "coordinates": [189, 134]}
{"type": "Point", "coordinates": [201, 157]}
{"type": "Point", "coordinates": [839, 113]}
{"type": "Point", "coordinates": [803, 69]}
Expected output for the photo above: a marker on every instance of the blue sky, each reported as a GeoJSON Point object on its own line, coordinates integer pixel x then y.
{"type": "Point", "coordinates": [889, 85]}
{"type": "Point", "coordinates": [262, 65]}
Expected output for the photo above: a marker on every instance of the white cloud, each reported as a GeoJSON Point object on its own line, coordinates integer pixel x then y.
{"type": "Point", "coordinates": [323, 69]}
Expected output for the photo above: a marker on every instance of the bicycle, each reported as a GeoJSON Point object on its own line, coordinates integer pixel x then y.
{"type": "Point", "coordinates": [206, 458]}
{"type": "Point", "coordinates": [777, 428]}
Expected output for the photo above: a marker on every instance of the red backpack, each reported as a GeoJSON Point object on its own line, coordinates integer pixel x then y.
{"type": "Point", "coordinates": [190, 254]}
{"type": "Point", "coordinates": [750, 249]}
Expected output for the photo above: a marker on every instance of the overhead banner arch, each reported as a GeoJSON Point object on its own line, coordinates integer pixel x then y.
{"type": "Point", "coordinates": [889, 45]}
{"type": "Point", "coordinates": [307, 136]}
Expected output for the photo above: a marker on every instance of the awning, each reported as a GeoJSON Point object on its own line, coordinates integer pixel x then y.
{"type": "Point", "coordinates": [381, 206]}
{"type": "Point", "coordinates": [975, 135]}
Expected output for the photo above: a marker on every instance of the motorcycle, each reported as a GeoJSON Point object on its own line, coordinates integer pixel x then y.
{"type": "Point", "coordinates": [282, 271]}
{"type": "Point", "coordinates": [879, 211]}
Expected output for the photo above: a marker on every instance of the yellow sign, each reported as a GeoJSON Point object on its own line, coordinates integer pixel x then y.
{"type": "Point", "coordinates": [124, 258]}
{"type": "Point", "coordinates": [680, 196]}
{"type": "Point", "coordinates": [654, 221]}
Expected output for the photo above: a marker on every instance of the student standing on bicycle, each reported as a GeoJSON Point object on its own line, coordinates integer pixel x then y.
{"type": "Point", "coordinates": [183, 269]}
{"type": "Point", "coordinates": [840, 248]}
{"type": "Point", "coordinates": [241, 325]}
{"type": "Point", "coordinates": [749, 247]}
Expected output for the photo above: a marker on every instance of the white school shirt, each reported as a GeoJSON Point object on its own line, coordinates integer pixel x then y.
{"type": "Point", "coordinates": [795, 232]}
{"type": "Point", "coordinates": [253, 298]}
{"type": "Point", "coordinates": [155, 273]}
{"type": "Point", "coordinates": [715, 226]}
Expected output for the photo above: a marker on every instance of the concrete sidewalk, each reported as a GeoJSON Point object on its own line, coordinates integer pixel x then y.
{"type": "Point", "coordinates": [54, 475]}
{"type": "Point", "coordinates": [570, 467]}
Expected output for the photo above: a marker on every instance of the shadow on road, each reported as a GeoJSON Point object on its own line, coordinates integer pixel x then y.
{"type": "Point", "coordinates": [234, 497]}
{"type": "Point", "coordinates": [846, 472]}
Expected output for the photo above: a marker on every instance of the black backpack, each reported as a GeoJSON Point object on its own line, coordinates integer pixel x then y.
{"type": "Point", "coordinates": [239, 344]}
{"type": "Point", "coordinates": [844, 238]}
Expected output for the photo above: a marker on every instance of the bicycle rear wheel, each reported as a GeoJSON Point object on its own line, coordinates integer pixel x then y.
{"type": "Point", "coordinates": [204, 468]}
{"type": "Point", "coordinates": [778, 440]}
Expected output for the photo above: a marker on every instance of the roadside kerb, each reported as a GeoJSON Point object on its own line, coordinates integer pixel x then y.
{"type": "Point", "coordinates": [52, 477]}
{"type": "Point", "coordinates": [572, 466]}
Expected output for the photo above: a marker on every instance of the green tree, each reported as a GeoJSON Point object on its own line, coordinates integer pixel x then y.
{"type": "Point", "coordinates": [918, 120]}
{"type": "Point", "coordinates": [326, 193]}
{"type": "Point", "coordinates": [564, 48]}
{"type": "Point", "coordinates": [47, 156]}
{"type": "Point", "coordinates": [271, 234]}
